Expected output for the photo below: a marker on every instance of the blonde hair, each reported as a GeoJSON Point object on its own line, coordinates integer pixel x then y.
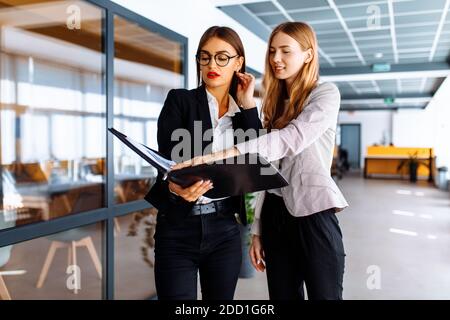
{"type": "Point", "coordinates": [277, 114]}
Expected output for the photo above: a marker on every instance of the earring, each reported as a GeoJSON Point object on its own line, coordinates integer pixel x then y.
{"type": "Point", "coordinates": [200, 79]}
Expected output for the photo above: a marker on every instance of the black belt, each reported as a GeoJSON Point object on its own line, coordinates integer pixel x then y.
{"type": "Point", "coordinates": [219, 206]}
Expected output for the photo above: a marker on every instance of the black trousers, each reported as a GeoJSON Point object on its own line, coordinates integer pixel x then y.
{"type": "Point", "coordinates": [209, 245]}
{"type": "Point", "coordinates": [301, 251]}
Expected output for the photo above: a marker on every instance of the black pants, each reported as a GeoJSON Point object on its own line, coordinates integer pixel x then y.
{"type": "Point", "coordinates": [301, 250]}
{"type": "Point", "coordinates": [207, 244]}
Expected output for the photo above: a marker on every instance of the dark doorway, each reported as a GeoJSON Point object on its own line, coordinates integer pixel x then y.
{"type": "Point", "coordinates": [351, 142]}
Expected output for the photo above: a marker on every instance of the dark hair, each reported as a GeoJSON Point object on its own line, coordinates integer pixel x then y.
{"type": "Point", "coordinates": [230, 36]}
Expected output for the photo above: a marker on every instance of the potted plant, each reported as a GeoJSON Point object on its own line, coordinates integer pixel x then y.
{"type": "Point", "coordinates": [247, 270]}
{"type": "Point", "coordinates": [413, 164]}
{"type": "Point", "coordinates": [148, 218]}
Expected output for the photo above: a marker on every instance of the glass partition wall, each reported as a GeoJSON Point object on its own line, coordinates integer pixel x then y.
{"type": "Point", "coordinates": [70, 195]}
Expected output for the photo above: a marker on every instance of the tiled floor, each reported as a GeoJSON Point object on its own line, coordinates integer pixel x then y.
{"type": "Point", "coordinates": [400, 230]}
{"type": "Point", "coordinates": [395, 230]}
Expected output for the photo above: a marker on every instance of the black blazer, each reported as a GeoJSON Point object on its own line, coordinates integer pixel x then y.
{"type": "Point", "coordinates": [181, 108]}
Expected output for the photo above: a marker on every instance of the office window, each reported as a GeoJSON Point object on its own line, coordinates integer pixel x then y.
{"type": "Point", "coordinates": [134, 255]}
{"type": "Point", "coordinates": [66, 265]}
{"type": "Point", "coordinates": [146, 66]}
{"type": "Point", "coordinates": [52, 111]}
{"type": "Point", "coordinates": [53, 146]}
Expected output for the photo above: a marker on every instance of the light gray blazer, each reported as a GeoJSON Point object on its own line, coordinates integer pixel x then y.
{"type": "Point", "coordinates": [305, 147]}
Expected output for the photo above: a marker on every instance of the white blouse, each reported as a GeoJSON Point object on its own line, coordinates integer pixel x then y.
{"type": "Point", "coordinates": [223, 134]}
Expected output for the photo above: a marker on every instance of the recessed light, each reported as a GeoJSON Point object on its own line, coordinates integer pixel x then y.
{"type": "Point", "coordinates": [378, 55]}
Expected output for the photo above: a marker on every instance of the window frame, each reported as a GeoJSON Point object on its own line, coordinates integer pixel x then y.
{"type": "Point", "coordinates": [107, 214]}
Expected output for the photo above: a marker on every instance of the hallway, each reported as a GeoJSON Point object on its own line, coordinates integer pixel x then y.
{"type": "Point", "coordinates": [394, 229]}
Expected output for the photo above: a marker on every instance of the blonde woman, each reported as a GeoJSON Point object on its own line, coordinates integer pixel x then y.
{"type": "Point", "coordinates": [296, 235]}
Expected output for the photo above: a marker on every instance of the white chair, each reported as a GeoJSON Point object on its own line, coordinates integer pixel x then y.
{"type": "Point", "coordinates": [73, 239]}
{"type": "Point", "coordinates": [5, 255]}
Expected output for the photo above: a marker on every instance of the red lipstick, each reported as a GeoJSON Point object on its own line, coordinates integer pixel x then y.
{"type": "Point", "coordinates": [212, 75]}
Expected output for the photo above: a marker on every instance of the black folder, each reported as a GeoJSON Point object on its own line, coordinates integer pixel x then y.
{"type": "Point", "coordinates": [232, 176]}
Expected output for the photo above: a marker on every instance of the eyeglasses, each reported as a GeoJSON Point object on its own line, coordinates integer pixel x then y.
{"type": "Point", "coordinates": [221, 59]}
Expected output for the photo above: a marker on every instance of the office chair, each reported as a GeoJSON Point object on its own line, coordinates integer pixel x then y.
{"type": "Point", "coordinates": [5, 255]}
{"type": "Point", "coordinates": [73, 239]}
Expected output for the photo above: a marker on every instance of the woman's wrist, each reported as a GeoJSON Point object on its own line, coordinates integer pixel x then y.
{"type": "Point", "coordinates": [248, 104]}
{"type": "Point", "coordinates": [232, 152]}
{"type": "Point", "coordinates": [227, 153]}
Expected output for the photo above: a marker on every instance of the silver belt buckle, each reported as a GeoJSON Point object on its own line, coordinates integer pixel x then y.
{"type": "Point", "coordinates": [204, 208]}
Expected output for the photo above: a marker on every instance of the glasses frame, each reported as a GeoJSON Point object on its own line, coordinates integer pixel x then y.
{"type": "Point", "coordinates": [197, 57]}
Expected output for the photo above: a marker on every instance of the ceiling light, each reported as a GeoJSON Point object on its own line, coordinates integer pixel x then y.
{"type": "Point", "coordinates": [378, 55]}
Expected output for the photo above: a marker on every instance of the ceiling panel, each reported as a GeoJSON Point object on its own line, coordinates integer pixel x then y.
{"type": "Point", "coordinates": [418, 18]}
{"type": "Point", "coordinates": [371, 33]}
{"type": "Point", "coordinates": [446, 28]}
{"type": "Point", "coordinates": [417, 43]}
{"type": "Point", "coordinates": [364, 10]}
{"type": "Point", "coordinates": [261, 7]}
{"type": "Point", "coordinates": [313, 16]}
{"type": "Point", "coordinates": [273, 19]}
{"type": "Point", "coordinates": [365, 23]}
{"type": "Point", "coordinates": [295, 4]}
{"type": "Point", "coordinates": [334, 50]}
{"type": "Point", "coordinates": [418, 5]}
{"type": "Point", "coordinates": [416, 23]}
{"type": "Point", "coordinates": [371, 52]}
{"type": "Point", "coordinates": [327, 27]}
{"type": "Point", "coordinates": [413, 28]}
{"type": "Point", "coordinates": [333, 37]}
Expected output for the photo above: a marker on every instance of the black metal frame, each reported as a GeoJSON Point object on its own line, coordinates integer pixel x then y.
{"type": "Point", "coordinates": [107, 214]}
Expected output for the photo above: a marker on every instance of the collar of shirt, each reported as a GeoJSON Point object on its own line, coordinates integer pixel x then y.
{"type": "Point", "coordinates": [214, 108]}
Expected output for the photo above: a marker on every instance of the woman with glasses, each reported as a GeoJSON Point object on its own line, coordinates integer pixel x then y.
{"type": "Point", "coordinates": [296, 231]}
{"type": "Point", "coordinates": [194, 233]}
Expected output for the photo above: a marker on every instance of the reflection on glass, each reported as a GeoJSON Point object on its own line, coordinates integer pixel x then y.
{"type": "Point", "coordinates": [146, 65]}
{"type": "Point", "coordinates": [66, 265]}
{"type": "Point", "coordinates": [134, 252]}
{"type": "Point", "coordinates": [52, 110]}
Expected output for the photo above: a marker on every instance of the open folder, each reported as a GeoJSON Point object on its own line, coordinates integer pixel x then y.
{"type": "Point", "coordinates": [230, 177]}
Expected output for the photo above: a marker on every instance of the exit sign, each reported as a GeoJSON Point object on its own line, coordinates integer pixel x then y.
{"type": "Point", "coordinates": [389, 100]}
{"type": "Point", "coordinates": [381, 67]}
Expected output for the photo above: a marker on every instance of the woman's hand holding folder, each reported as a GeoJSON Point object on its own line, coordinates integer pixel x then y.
{"type": "Point", "coordinates": [193, 192]}
{"type": "Point", "coordinates": [198, 189]}
{"type": "Point", "coordinates": [244, 173]}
